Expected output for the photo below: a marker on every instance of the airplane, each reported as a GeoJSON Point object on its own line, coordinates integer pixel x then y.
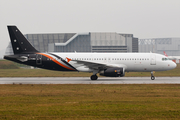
{"type": "Point", "coordinates": [106, 64]}
{"type": "Point", "coordinates": [173, 58]}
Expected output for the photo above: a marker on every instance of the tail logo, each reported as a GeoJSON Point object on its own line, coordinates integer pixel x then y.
{"type": "Point", "coordinates": [68, 59]}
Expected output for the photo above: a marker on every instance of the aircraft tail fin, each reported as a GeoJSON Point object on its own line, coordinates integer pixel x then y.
{"type": "Point", "coordinates": [165, 54]}
{"type": "Point", "coordinates": [19, 43]}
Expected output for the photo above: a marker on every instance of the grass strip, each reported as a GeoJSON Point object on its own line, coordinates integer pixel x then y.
{"type": "Point", "coordinates": [89, 102]}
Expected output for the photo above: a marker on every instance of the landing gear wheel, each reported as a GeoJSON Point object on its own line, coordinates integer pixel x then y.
{"type": "Point", "coordinates": [152, 78]}
{"type": "Point", "coordinates": [94, 77]}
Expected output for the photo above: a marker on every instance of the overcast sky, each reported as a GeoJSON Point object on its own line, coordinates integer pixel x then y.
{"type": "Point", "coordinates": [142, 18]}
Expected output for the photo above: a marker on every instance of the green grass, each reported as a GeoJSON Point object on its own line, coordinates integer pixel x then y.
{"type": "Point", "coordinates": [109, 102]}
{"type": "Point", "coordinates": [4, 64]}
{"type": "Point", "coordinates": [39, 73]}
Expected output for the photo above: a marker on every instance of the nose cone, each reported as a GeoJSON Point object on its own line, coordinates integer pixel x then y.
{"type": "Point", "coordinates": [173, 65]}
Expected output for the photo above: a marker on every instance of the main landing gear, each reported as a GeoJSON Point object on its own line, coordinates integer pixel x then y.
{"type": "Point", "coordinates": [152, 76]}
{"type": "Point", "coordinates": [94, 77]}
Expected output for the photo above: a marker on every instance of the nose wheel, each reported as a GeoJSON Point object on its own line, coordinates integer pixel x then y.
{"type": "Point", "coordinates": [152, 76]}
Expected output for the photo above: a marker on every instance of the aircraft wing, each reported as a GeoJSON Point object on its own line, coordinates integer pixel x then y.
{"type": "Point", "coordinates": [97, 65]}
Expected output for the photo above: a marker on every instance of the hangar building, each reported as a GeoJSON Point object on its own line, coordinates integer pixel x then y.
{"type": "Point", "coordinates": [82, 42]}
{"type": "Point", "coordinates": [157, 45]}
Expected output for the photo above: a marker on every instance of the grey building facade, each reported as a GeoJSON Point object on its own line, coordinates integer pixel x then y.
{"type": "Point", "coordinates": [82, 42]}
{"type": "Point", "coordinates": [157, 45]}
{"type": "Point", "coordinates": [96, 42]}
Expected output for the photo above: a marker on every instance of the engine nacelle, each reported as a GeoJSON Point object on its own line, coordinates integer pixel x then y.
{"type": "Point", "coordinates": [113, 72]}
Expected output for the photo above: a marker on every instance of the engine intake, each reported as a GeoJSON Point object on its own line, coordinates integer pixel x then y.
{"type": "Point", "coordinates": [113, 72]}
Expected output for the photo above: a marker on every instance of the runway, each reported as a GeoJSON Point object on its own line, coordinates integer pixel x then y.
{"type": "Point", "coordinates": [86, 80]}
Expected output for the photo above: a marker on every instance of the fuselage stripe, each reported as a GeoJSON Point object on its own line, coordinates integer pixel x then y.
{"type": "Point", "coordinates": [63, 60]}
{"type": "Point", "coordinates": [54, 60]}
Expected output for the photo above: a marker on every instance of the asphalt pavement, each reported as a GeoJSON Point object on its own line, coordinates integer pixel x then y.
{"type": "Point", "coordinates": [86, 80]}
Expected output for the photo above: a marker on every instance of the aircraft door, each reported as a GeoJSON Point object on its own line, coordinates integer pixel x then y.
{"type": "Point", "coordinates": [153, 59]}
{"type": "Point", "coordinates": [38, 59]}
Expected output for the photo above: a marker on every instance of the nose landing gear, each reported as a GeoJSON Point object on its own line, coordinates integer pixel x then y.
{"type": "Point", "coordinates": [152, 76]}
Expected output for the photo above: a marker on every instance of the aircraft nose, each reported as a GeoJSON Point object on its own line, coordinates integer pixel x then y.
{"type": "Point", "coordinates": [173, 65]}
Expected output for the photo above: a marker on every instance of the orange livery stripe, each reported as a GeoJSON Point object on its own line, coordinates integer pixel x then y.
{"type": "Point", "coordinates": [54, 60]}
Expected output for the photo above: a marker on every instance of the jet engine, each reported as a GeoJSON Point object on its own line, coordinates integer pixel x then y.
{"type": "Point", "coordinates": [113, 72]}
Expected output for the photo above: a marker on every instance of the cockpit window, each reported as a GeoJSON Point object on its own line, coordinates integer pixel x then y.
{"type": "Point", "coordinates": [165, 59]}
